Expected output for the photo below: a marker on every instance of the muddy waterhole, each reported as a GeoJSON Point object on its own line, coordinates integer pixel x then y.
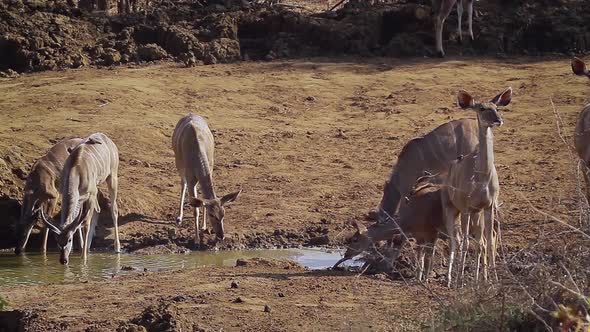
{"type": "Point", "coordinates": [38, 268]}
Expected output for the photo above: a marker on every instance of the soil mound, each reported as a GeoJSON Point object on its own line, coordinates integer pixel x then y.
{"type": "Point", "coordinates": [48, 35]}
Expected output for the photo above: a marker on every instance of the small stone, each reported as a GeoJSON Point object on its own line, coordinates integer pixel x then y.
{"type": "Point", "coordinates": [266, 308]}
{"type": "Point", "coordinates": [281, 295]}
{"type": "Point", "coordinates": [234, 284]}
{"type": "Point", "coordinates": [239, 300]}
{"type": "Point", "coordinates": [310, 98]}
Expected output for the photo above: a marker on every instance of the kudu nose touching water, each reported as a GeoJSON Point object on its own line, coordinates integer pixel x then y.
{"type": "Point", "coordinates": [421, 218]}
{"type": "Point", "coordinates": [41, 191]}
{"type": "Point", "coordinates": [440, 151]}
{"type": "Point", "coordinates": [582, 131]}
{"type": "Point", "coordinates": [193, 145]}
{"type": "Point", "coordinates": [94, 161]}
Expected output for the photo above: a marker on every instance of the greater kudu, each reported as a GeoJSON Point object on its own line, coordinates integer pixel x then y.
{"type": "Point", "coordinates": [432, 153]}
{"type": "Point", "coordinates": [94, 161]}
{"type": "Point", "coordinates": [442, 9]}
{"type": "Point", "coordinates": [421, 219]}
{"type": "Point", "coordinates": [472, 183]}
{"type": "Point", "coordinates": [193, 145]}
{"type": "Point", "coordinates": [42, 191]}
{"type": "Point", "coordinates": [582, 131]}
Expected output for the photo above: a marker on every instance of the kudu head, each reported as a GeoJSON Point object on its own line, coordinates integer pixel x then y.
{"type": "Point", "coordinates": [487, 112]}
{"type": "Point", "coordinates": [32, 203]}
{"type": "Point", "coordinates": [64, 233]}
{"type": "Point", "coordinates": [215, 210]}
{"type": "Point", "coordinates": [579, 67]}
{"type": "Point", "coordinates": [357, 244]}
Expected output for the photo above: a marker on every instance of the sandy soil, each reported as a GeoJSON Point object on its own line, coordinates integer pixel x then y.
{"type": "Point", "coordinates": [310, 143]}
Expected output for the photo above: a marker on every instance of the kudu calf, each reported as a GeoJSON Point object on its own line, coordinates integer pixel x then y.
{"type": "Point", "coordinates": [42, 191]}
{"type": "Point", "coordinates": [442, 9]}
{"type": "Point", "coordinates": [193, 145]}
{"type": "Point", "coordinates": [582, 131]}
{"type": "Point", "coordinates": [421, 219]}
{"type": "Point", "coordinates": [94, 161]}
{"type": "Point", "coordinates": [472, 183]}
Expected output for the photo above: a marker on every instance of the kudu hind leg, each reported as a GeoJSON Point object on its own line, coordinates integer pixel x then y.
{"type": "Point", "coordinates": [459, 19]}
{"type": "Point", "coordinates": [443, 12]}
{"type": "Point", "coordinates": [469, 5]}
{"type": "Point", "coordinates": [450, 217]}
{"type": "Point", "coordinates": [113, 183]}
{"type": "Point", "coordinates": [586, 172]}
{"type": "Point", "coordinates": [192, 186]}
{"type": "Point", "coordinates": [489, 238]}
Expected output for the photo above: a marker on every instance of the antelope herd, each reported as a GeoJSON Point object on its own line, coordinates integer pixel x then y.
{"type": "Point", "coordinates": [444, 185]}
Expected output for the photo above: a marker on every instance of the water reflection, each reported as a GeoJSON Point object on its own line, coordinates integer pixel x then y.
{"type": "Point", "coordinates": [39, 268]}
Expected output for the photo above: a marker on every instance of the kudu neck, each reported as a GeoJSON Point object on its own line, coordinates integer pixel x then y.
{"type": "Point", "coordinates": [485, 157]}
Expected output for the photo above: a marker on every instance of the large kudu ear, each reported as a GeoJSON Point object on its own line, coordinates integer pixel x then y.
{"type": "Point", "coordinates": [464, 99]}
{"type": "Point", "coordinates": [579, 67]}
{"type": "Point", "coordinates": [503, 98]}
{"type": "Point", "coordinates": [49, 224]}
{"type": "Point", "coordinates": [230, 197]}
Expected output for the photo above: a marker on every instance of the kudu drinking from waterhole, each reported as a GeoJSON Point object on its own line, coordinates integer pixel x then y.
{"type": "Point", "coordinates": [582, 131]}
{"type": "Point", "coordinates": [421, 219]}
{"type": "Point", "coordinates": [94, 161]}
{"type": "Point", "coordinates": [442, 9]}
{"type": "Point", "coordinates": [472, 183]}
{"type": "Point", "coordinates": [193, 147]}
{"type": "Point", "coordinates": [42, 191]}
{"type": "Point", "coordinates": [432, 153]}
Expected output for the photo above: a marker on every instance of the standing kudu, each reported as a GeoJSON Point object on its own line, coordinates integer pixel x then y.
{"type": "Point", "coordinates": [442, 9]}
{"type": "Point", "coordinates": [472, 184]}
{"type": "Point", "coordinates": [582, 131]}
{"type": "Point", "coordinates": [42, 191]}
{"type": "Point", "coordinates": [432, 153]}
{"type": "Point", "coordinates": [94, 161]}
{"type": "Point", "coordinates": [193, 145]}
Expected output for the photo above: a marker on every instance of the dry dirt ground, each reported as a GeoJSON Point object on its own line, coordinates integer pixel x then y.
{"type": "Point", "coordinates": [310, 143]}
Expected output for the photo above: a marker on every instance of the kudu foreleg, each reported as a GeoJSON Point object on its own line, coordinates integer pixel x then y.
{"type": "Point", "coordinates": [181, 208]}
{"type": "Point", "coordinates": [113, 184]}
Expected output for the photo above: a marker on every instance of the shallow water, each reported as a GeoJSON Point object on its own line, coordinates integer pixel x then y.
{"type": "Point", "coordinates": [37, 268]}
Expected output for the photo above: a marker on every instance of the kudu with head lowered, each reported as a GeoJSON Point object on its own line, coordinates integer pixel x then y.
{"type": "Point", "coordinates": [94, 161]}
{"type": "Point", "coordinates": [582, 131]}
{"type": "Point", "coordinates": [421, 219]}
{"type": "Point", "coordinates": [42, 191]}
{"type": "Point", "coordinates": [193, 145]}
{"type": "Point", "coordinates": [472, 183]}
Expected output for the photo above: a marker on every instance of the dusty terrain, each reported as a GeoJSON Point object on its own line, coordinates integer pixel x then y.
{"type": "Point", "coordinates": [310, 142]}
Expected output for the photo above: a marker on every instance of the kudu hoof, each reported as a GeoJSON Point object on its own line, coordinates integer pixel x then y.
{"type": "Point", "coordinates": [178, 221]}
{"type": "Point", "coordinates": [440, 54]}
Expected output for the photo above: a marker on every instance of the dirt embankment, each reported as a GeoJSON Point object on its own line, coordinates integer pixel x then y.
{"type": "Point", "coordinates": [48, 35]}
